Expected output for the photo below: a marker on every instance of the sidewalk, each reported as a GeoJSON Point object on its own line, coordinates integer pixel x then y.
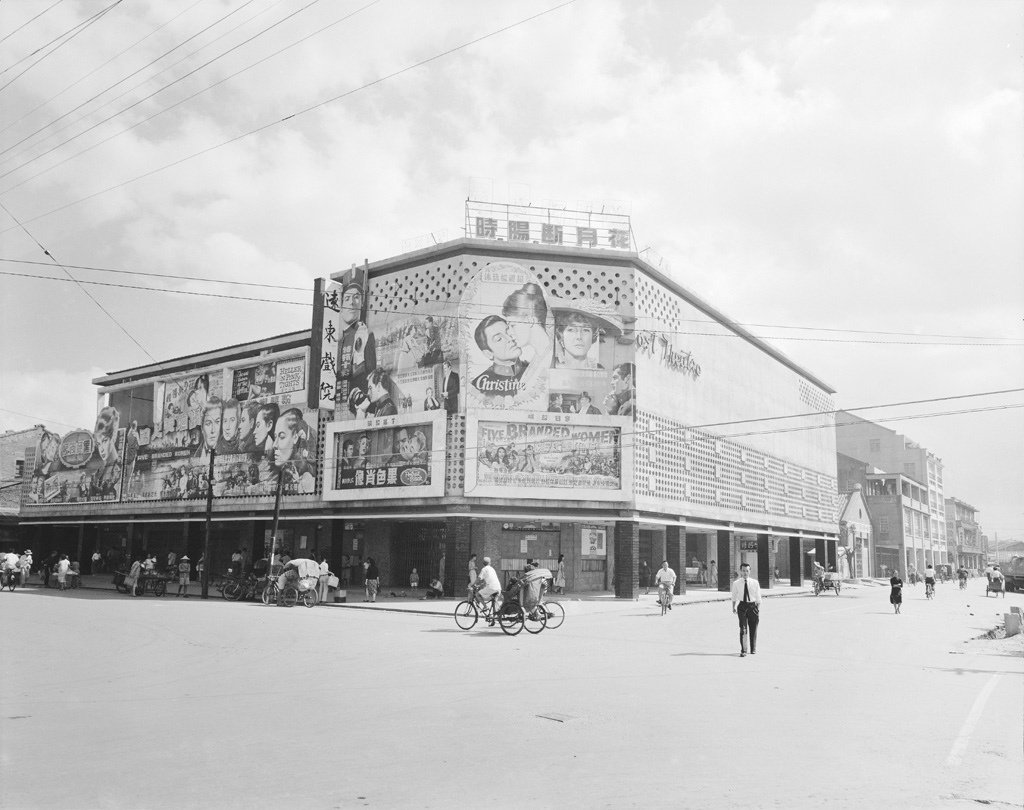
{"type": "Point", "coordinates": [591, 601]}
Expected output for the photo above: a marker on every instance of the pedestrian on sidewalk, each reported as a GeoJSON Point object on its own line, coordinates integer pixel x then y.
{"type": "Point", "coordinates": [134, 573]}
{"type": "Point", "coordinates": [414, 581]}
{"type": "Point", "coordinates": [713, 572]}
{"type": "Point", "coordinates": [645, 576]}
{"type": "Point", "coordinates": [746, 604]}
{"type": "Point", "coordinates": [896, 594]}
{"type": "Point", "coordinates": [184, 568]}
{"type": "Point", "coordinates": [472, 569]}
{"type": "Point", "coordinates": [97, 562]}
{"type": "Point", "coordinates": [372, 580]}
{"type": "Point", "coordinates": [560, 575]}
{"type": "Point", "coordinates": [62, 571]}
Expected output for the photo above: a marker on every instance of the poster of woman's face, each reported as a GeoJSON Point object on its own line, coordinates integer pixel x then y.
{"type": "Point", "coordinates": [507, 333]}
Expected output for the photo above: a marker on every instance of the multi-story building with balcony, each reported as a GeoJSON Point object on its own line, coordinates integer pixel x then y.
{"type": "Point", "coordinates": [887, 450]}
{"type": "Point", "coordinates": [964, 534]}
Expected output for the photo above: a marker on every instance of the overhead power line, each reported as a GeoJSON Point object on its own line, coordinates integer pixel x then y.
{"type": "Point", "coordinates": [139, 101]}
{"type": "Point", "coordinates": [181, 44]}
{"type": "Point", "coordinates": [83, 289]}
{"type": "Point", "coordinates": [301, 112]}
{"type": "Point", "coordinates": [80, 28]}
{"type": "Point", "coordinates": [85, 76]}
{"type": "Point", "coordinates": [40, 14]}
{"type": "Point", "coordinates": [210, 280]}
{"type": "Point", "coordinates": [443, 316]}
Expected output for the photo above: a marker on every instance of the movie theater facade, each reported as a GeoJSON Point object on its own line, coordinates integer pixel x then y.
{"type": "Point", "coordinates": [521, 393]}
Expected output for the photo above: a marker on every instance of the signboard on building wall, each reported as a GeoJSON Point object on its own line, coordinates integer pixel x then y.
{"type": "Point", "coordinates": [595, 541]}
{"type": "Point", "coordinates": [80, 467]}
{"type": "Point", "coordinates": [547, 455]}
{"type": "Point", "coordinates": [385, 457]}
{"type": "Point", "coordinates": [324, 339]}
{"type": "Point", "coordinates": [525, 349]}
{"type": "Point", "coordinates": [250, 416]}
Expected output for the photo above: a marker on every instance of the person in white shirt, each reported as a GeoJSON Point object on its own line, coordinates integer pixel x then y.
{"type": "Point", "coordinates": [746, 603]}
{"type": "Point", "coordinates": [62, 571]}
{"type": "Point", "coordinates": [929, 575]}
{"type": "Point", "coordinates": [665, 579]}
{"type": "Point", "coordinates": [487, 585]}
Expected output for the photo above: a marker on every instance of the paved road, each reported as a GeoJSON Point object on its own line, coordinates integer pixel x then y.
{"type": "Point", "coordinates": [112, 702]}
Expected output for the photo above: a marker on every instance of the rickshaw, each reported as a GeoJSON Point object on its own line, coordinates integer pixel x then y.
{"type": "Point", "coordinates": [995, 585]}
{"type": "Point", "coordinates": [827, 581]}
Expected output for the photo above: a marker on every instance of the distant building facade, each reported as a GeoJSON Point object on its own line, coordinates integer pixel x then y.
{"type": "Point", "coordinates": [892, 452]}
{"type": "Point", "coordinates": [13, 444]}
{"type": "Point", "coordinates": [964, 534]}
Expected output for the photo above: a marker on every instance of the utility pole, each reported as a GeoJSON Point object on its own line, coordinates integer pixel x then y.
{"type": "Point", "coordinates": [273, 532]}
{"type": "Point", "coordinates": [205, 579]}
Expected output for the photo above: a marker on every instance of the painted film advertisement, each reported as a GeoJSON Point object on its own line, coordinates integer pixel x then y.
{"type": "Point", "coordinates": [254, 440]}
{"type": "Point", "coordinates": [547, 455]}
{"type": "Point", "coordinates": [393, 361]}
{"type": "Point", "coordinates": [528, 349]}
{"type": "Point", "coordinates": [385, 457]}
{"type": "Point", "coordinates": [80, 466]}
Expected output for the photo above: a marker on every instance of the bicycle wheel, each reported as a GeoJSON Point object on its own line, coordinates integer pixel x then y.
{"type": "Point", "coordinates": [309, 598]}
{"type": "Point", "coordinates": [511, 618]}
{"type": "Point", "coordinates": [664, 603]}
{"type": "Point", "coordinates": [12, 582]}
{"type": "Point", "coordinates": [232, 591]}
{"type": "Point", "coordinates": [556, 614]}
{"type": "Point", "coordinates": [535, 619]}
{"type": "Point", "coordinates": [269, 595]}
{"type": "Point", "coordinates": [466, 614]}
{"type": "Point", "coordinates": [159, 589]}
{"type": "Point", "coordinates": [290, 597]}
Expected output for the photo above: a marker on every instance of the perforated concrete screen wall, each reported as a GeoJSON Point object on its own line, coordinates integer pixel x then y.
{"type": "Point", "coordinates": [695, 375]}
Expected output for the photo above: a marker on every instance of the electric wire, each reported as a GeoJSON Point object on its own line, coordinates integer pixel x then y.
{"type": "Point", "coordinates": [152, 62]}
{"type": "Point", "coordinates": [387, 313]}
{"type": "Point", "coordinates": [81, 29]}
{"type": "Point", "coordinates": [706, 321]}
{"type": "Point", "coordinates": [140, 101]}
{"type": "Point", "coordinates": [82, 78]}
{"type": "Point", "coordinates": [299, 113]}
{"type": "Point", "coordinates": [80, 286]}
{"type": "Point", "coordinates": [40, 14]}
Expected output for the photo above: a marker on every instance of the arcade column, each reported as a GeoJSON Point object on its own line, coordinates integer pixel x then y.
{"type": "Point", "coordinates": [627, 557]}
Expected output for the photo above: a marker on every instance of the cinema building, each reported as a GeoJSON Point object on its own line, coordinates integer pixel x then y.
{"type": "Point", "coordinates": [534, 390]}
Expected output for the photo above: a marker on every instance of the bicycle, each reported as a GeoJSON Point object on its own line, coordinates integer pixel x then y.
{"type": "Point", "coordinates": [510, 616]}
{"type": "Point", "coordinates": [664, 598]}
{"type": "Point", "coordinates": [929, 590]}
{"type": "Point", "coordinates": [963, 583]}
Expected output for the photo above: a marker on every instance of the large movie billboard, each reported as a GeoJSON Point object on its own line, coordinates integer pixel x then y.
{"type": "Point", "coordinates": [527, 349]}
{"type": "Point", "coordinates": [251, 418]}
{"type": "Point", "coordinates": [547, 455]}
{"type": "Point", "coordinates": [81, 466]}
{"type": "Point", "coordinates": [385, 457]}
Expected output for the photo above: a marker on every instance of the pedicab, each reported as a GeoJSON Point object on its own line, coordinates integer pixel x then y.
{"type": "Point", "coordinates": [827, 581]}
{"type": "Point", "coordinates": [995, 584]}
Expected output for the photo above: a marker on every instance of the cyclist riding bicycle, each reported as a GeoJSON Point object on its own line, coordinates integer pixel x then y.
{"type": "Point", "coordinates": [487, 585]}
{"type": "Point", "coordinates": [666, 581]}
{"type": "Point", "coordinates": [929, 578]}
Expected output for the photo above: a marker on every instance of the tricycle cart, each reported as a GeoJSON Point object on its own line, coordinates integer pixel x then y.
{"type": "Point", "coordinates": [829, 581]}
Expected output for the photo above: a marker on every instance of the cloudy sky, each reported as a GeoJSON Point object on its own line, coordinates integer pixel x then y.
{"type": "Point", "coordinates": [845, 177]}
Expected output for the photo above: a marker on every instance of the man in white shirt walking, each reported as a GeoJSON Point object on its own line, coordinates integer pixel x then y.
{"type": "Point", "coordinates": [746, 603]}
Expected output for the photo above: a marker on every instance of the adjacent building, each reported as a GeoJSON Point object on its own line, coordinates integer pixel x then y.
{"type": "Point", "coordinates": [13, 444]}
{"type": "Point", "coordinates": [536, 389]}
{"type": "Point", "coordinates": [964, 535]}
{"type": "Point", "coordinates": [892, 452]}
{"type": "Point", "coordinates": [856, 536]}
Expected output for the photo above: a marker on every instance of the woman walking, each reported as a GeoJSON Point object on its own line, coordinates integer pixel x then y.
{"type": "Point", "coordinates": [372, 580]}
{"type": "Point", "coordinates": [896, 595]}
{"type": "Point", "coordinates": [560, 575]}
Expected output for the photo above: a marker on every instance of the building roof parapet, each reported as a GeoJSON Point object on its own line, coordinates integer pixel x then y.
{"type": "Point", "coordinates": [500, 248]}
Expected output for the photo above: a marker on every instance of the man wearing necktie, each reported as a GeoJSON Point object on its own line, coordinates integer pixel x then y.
{"type": "Point", "coordinates": [746, 603]}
